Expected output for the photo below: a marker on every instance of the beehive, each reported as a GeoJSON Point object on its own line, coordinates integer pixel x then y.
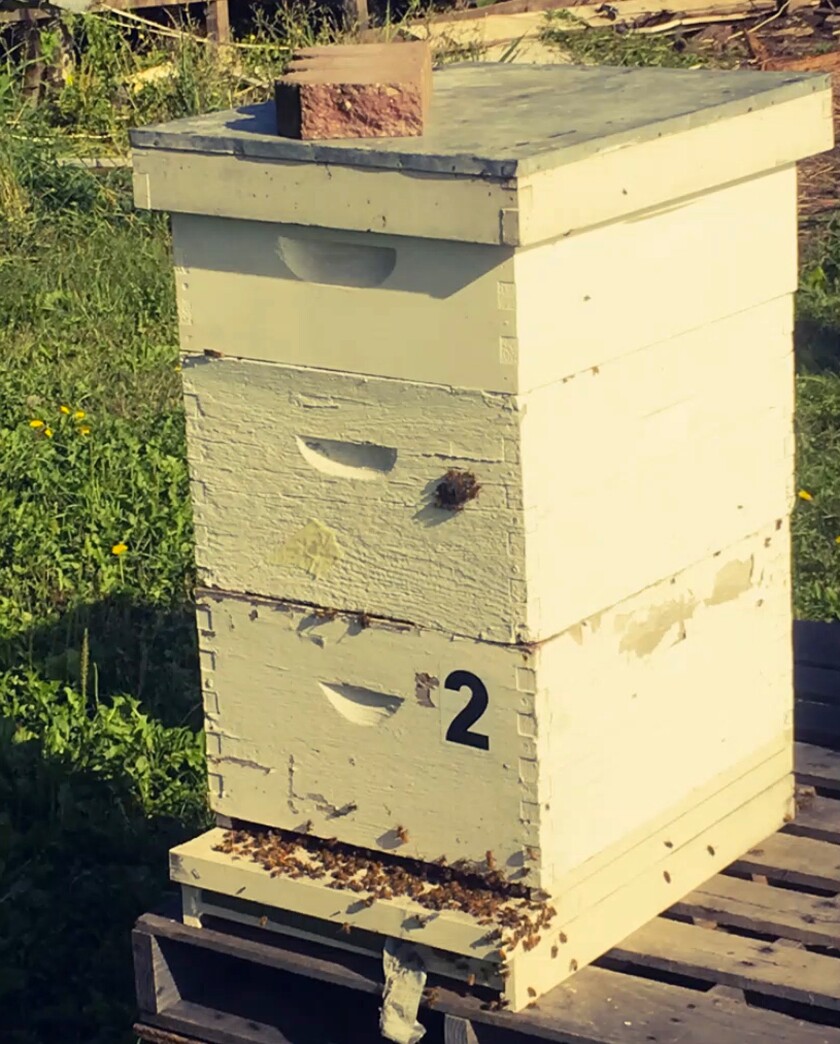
{"type": "Point", "coordinates": [573, 296]}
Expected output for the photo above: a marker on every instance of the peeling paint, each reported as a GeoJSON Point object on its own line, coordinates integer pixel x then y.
{"type": "Point", "coordinates": [643, 635]}
{"type": "Point", "coordinates": [732, 580]}
{"type": "Point", "coordinates": [576, 633]}
{"type": "Point", "coordinates": [423, 685]}
{"type": "Point", "coordinates": [242, 762]}
{"type": "Point", "coordinates": [290, 800]}
{"type": "Point", "coordinates": [314, 548]}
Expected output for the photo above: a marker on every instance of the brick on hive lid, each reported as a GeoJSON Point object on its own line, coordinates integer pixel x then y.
{"type": "Point", "coordinates": [355, 91]}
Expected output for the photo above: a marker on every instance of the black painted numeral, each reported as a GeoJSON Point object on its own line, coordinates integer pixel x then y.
{"type": "Point", "coordinates": [459, 730]}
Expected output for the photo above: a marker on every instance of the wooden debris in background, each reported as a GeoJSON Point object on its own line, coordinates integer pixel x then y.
{"type": "Point", "coordinates": [355, 91]}
{"type": "Point", "coordinates": [517, 19]}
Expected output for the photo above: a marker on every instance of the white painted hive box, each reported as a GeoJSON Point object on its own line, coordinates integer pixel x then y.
{"type": "Point", "coordinates": [577, 287]}
{"type": "Point", "coordinates": [553, 757]}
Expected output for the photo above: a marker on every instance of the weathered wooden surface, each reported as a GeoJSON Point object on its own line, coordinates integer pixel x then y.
{"type": "Point", "coordinates": [368, 703]}
{"type": "Point", "coordinates": [492, 172]}
{"type": "Point", "coordinates": [320, 487]}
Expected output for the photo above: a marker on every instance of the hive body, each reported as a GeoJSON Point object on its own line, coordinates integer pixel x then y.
{"type": "Point", "coordinates": [579, 678]}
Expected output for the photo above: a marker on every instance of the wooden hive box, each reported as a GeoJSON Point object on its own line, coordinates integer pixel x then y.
{"type": "Point", "coordinates": [491, 439]}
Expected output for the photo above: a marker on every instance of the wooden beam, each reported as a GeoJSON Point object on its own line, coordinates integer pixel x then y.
{"type": "Point", "coordinates": [218, 21]}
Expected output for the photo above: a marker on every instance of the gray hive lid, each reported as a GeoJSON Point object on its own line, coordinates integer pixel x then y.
{"type": "Point", "coordinates": [514, 124]}
{"type": "Point", "coordinates": [500, 120]}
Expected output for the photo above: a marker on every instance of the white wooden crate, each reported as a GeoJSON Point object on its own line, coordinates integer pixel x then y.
{"type": "Point", "coordinates": [315, 486]}
{"type": "Point", "coordinates": [478, 316]}
{"type": "Point", "coordinates": [552, 756]}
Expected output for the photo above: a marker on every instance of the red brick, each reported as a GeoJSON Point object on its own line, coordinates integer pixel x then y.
{"type": "Point", "coordinates": [355, 91]}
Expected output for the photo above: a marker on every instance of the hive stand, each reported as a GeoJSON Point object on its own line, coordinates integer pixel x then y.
{"type": "Point", "coordinates": [769, 926]}
{"type": "Point", "coordinates": [491, 441]}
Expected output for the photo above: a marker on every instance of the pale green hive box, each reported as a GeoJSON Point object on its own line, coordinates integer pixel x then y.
{"type": "Point", "coordinates": [577, 287]}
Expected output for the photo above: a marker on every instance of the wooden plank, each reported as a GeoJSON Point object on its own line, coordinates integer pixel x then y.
{"type": "Point", "coordinates": [154, 1035]}
{"type": "Point", "coordinates": [794, 860]}
{"type": "Point", "coordinates": [817, 684]}
{"type": "Point", "coordinates": [732, 960]}
{"type": "Point", "coordinates": [217, 1027]}
{"type": "Point", "coordinates": [763, 909]}
{"type": "Point", "coordinates": [458, 1031]}
{"type": "Point", "coordinates": [218, 21]}
{"type": "Point", "coordinates": [818, 819]}
{"type": "Point", "coordinates": [817, 643]}
{"type": "Point", "coordinates": [356, 15]}
{"type": "Point", "coordinates": [597, 1007]}
{"type": "Point", "coordinates": [154, 984]}
{"type": "Point", "coordinates": [496, 25]}
{"type": "Point", "coordinates": [818, 766]}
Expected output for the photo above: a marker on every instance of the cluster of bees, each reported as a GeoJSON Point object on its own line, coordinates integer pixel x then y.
{"type": "Point", "coordinates": [514, 912]}
{"type": "Point", "coordinates": [456, 489]}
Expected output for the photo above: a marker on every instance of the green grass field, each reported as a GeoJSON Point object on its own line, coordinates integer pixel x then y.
{"type": "Point", "coordinates": [100, 754]}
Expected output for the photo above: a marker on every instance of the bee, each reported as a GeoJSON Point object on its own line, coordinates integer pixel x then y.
{"type": "Point", "coordinates": [365, 620]}
{"type": "Point", "coordinates": [531, 991]}
{"type": "Point", "coordinates": [555, 950]}
{"type": "Point", "coordinates": [263, 921]}
{"type": "Point", "coordinates": [345, 929]}
{"type": "Point", "coordinates": [211, 353]}
{"type": "Point", "coordinates": [471, 979]}
{"type": "Point", "coordinates": [402, 834]}
{"type": "Point", "coordinates": [490, 859]}
{"type": "Point", "coordinates": [432, 996]}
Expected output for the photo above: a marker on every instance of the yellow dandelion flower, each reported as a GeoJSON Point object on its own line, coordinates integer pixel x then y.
{"type": "Point", "coordinates": [64, 409]}
{"type": "Point", "coordinates": [177, 368]}
{"type": "Point", "coordinates": [84, 430]}
{"type": "Point", "coordinates": [805, 495]}
{"type": "Point", "coordinates": [119, 549]}
{"type": "Point", "coordinates": [79, 415]}
{"type": "Point", "coordinates": [36, 424]}
{"type": "Point", "coordinates": [48, 432]}
{"type": "Point", "coordinates": [837, 540]}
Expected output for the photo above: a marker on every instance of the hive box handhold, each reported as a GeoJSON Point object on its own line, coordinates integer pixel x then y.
{"type": "Point", "coordinates": [355, 91]}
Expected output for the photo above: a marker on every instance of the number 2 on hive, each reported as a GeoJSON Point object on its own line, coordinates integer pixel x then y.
{"type": "Point", "coordinates": [459, 729]}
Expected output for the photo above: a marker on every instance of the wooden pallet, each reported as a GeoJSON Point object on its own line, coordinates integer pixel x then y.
{"type": "Point", "coordinates": [753, 955]}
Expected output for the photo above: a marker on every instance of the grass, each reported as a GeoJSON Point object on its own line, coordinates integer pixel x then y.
{"type": "Point", "coordinates": [612, 46]}
{"type": "Point", "coordinates": [101, 759]}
